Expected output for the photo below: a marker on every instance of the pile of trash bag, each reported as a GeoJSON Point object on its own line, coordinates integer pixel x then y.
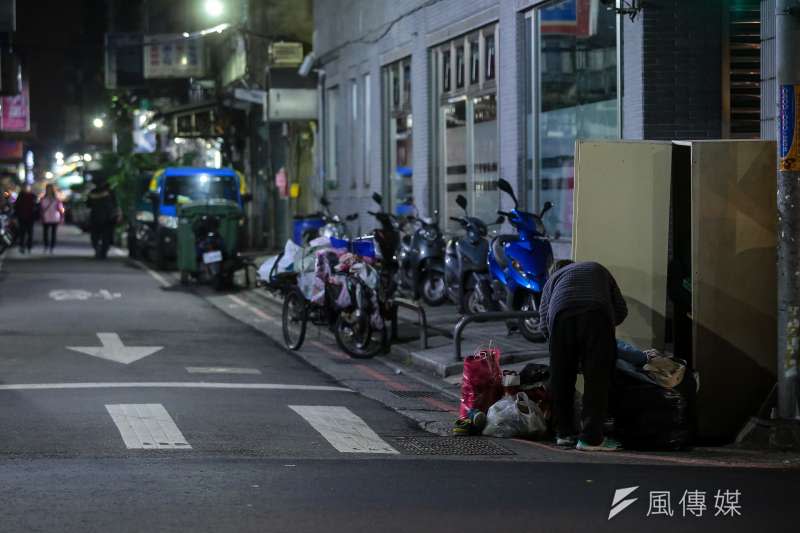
{"type": "Point", "coordinates": [652, 400]}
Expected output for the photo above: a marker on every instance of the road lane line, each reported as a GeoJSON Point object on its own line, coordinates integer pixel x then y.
{"type": "Point", "coordinates": [221, 370]}
{"type": "Point", "coordinates": [170, 385]}
{"type": "Point", "coordinates": [256, 311]}
{"type": "Point", "coordinates": [147, 426]}
{"type": "Point", "coordinates": [155, 275]}
{"type": "Point", "coordinates": [344, 430]}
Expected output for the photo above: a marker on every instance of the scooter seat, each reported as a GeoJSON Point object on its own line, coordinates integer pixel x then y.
{"type": "Point", "coordinates": [499, 248]}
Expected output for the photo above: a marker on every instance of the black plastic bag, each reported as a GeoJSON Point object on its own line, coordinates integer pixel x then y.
{"type": "Point", "coordinates": [650, 417]}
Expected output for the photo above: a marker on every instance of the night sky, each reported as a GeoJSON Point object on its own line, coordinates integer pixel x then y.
{"type": "Point", "coordinates": [61, 46]}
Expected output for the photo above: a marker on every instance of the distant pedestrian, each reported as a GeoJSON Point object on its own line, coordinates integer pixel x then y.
{"type": "Point", "coordinates": [104, 215]}
{"type": "Point", "coordinates": [580, 308]}
{"type": "Point", "coordinates": [25, 210]}
{"type": "Point", "coordinates": [52, 212]}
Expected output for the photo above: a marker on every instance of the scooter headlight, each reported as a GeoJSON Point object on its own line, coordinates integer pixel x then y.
{"type": "Point", "coordinates": [168, 221]}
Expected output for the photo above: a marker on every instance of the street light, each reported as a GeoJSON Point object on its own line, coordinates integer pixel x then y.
{"type": "Point", "coordinates": [87, 157]}
{"type": "Point", "coordinates": [214, 8]}
{"type": "Point", "coordinates": [98, 123]}
{"type": "Point", "coordinates": [59, 156]}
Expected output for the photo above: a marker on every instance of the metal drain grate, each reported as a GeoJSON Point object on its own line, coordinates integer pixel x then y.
{"type": "Point", "coordinates": [450, 446]}
{"type": "Point", "coordinates": [416, 394]}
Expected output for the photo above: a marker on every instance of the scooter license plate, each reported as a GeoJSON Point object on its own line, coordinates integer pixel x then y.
{"type": "Point", "coordinates": [212, 257]}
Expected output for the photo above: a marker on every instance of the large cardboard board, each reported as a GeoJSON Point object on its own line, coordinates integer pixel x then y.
{"type": "Point", "coordinates": [622, 199]}
{"type": "Point", "coordinates": [734, 280]}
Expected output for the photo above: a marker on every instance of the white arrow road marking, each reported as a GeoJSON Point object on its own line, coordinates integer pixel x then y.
{"type": "Point", "coordinates": [221, 370]}
{"type": "Point", "coordinates": [343, 429]}
{"type": "Point", "coordinates": [113, 349]}
{"type": "Point", "coordinates": [147, 426]}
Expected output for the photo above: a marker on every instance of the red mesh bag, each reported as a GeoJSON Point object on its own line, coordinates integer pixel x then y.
{"type": "Point", "coordinates": [482, 382]}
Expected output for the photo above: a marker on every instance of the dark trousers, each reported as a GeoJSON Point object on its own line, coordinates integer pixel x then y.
{"type": "Point", "coordinates": [25, 236]}
{"type": "Point", "coordinates": [49, 234]}
{"type": "Point", "coordinates": [102, 237]}
{"type": "Point", "coordinates": [586, 341]}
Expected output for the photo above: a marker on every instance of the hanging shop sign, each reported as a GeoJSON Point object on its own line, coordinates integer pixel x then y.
{"type": "Point", "coordinates": [283, 54]}
{"type": "Point", "coordinates": [15, 115]}
{"type": "Point", "coordinates": [578, 18]}
{"type": "Point", "coordinates": [788, 141]}
{"type": "Point", "coordinates": [173, 56]}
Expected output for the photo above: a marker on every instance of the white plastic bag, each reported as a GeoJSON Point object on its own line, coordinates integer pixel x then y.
{"type": "Point", "coordinates": [266, 268]}
{"type": "Point", "coordinates": [290, 252]}
{"type": "Point", "coordinates": [514, 416]}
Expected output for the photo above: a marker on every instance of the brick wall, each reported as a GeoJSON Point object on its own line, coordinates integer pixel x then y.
{"type": "Point", "coordinates": [681, 65]}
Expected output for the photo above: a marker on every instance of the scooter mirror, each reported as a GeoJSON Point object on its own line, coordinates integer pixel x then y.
{"type": "Point", "coordinates": [377, 198]}
{"type": "Point", "coordinates": [461, 201]}
{"type": "Point", "coordinates": [505, 186]}
{"type": "Point", "coordinates": [500, 220]}
{"type": "Point", "coordinates": [352, 217]}
{"type": "Point", "coordinates": [547, 207]}
{"type": "Point", "coordinates": [324, 201]}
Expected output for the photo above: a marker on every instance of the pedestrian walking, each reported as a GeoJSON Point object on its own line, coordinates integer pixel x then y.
{"type": "Point", "coordinates": [104, 215]}
{"type": "Point", "coordinates": [52, 213]}
{"type": "Point", "coordinates": [580, 307]}
{"type": "Point", "coordinates": [25, 211]}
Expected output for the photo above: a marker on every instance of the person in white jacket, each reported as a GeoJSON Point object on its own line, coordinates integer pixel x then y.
{"type": "Point", "coordinates": [52, 211]}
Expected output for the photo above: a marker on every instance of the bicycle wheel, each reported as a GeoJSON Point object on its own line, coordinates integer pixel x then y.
{"type": "Point", "coordinates": [295, 319]}
{"type": "Point", "coordinates": [357, 337]}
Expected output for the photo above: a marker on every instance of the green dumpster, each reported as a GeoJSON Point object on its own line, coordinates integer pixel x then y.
{"type": "Point", "coordinates": [190, 215]}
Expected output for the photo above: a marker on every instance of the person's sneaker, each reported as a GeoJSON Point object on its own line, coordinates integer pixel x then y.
{"type": "Point", "coordinates": [462, 427]}
{"type": "Point", "coordinates": [608, 445]}
{"type": "Point", "coordinates": [566, 442]}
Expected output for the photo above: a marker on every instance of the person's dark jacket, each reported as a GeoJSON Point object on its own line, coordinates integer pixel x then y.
{"type": "Point", "coordinates": [581, 287]}
{"type": "Point", "coordinates": [103, 207]}
{"type": "Point", "coordinates": [25, 207]}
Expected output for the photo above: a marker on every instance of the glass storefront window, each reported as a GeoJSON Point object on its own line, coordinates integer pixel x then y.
{"type": "Point", "coordinates": [573, 87]}
{"type": "Point", "coordinates": [398, 124]}
{"type": "Point", "coordinates": [490, 54]}
{"type": "Point", "coordinates": [332, 141]}
{"type": "Point", "coordinates": [474, 62]}
{"type": "Point", "coordinates": [467, 134]}
{"type": "Point", "coordinates": [459, 67]}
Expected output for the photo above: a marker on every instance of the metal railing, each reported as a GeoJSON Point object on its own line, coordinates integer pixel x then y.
{"type": "Point", "coordinates": [423, 320]}
{"type": "Point", "coordinates": [494, 316]}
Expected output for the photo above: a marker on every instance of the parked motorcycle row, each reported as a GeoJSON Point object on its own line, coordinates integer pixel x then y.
{"type": "Point", "coordinates": [8, 232]}
{"type": "Point", "coordinates": [348, 284]}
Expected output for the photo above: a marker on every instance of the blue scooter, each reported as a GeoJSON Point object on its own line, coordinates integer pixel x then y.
{"type": "Point", "coordinates": [519, 263]}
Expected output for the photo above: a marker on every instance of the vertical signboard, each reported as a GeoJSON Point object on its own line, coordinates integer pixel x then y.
{"type": "Point", "coordinates": [15, 115]}
{"type": "Point", "coordinates": [173, 56]}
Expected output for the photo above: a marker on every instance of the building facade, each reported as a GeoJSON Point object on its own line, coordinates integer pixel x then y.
{"type": "Point", "coordinates": [427, 99]}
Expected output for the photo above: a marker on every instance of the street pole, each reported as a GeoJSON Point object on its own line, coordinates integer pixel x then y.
{"type": "Point", "coordinates": [788, 80]}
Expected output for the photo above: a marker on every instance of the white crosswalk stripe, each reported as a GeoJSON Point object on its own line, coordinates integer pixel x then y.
{"type": "Point", "coordinates": [344, 430]}
{"type": "Point", "coordinates": [147, 426]}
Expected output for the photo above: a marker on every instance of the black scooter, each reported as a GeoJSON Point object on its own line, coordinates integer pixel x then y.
{"type": "Point", "coordinates": [421, 258]}
{"type": "Point", "coordinates": [465, 266]}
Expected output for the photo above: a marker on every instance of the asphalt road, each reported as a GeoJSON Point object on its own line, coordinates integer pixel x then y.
{"type": "Point", "coordinates": [222, 430]}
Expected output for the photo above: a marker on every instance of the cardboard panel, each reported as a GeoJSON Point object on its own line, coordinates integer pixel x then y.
{"type": "Point", "coordinates": [622, 195]}
{"type": "Point", "coordinates": [734, 283]}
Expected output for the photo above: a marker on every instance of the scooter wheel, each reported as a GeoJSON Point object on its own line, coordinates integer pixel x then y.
{"type": "Point", "coordinates": [434, 291]}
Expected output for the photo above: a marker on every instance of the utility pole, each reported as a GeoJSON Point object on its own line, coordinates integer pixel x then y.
{"type": "Point", "coordinates": [788, 80]}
